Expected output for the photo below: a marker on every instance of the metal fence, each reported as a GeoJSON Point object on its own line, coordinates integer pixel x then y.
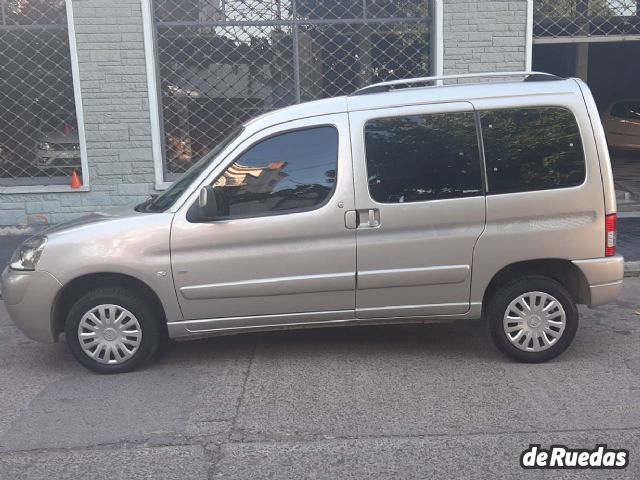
{"type": "Point", "coordinates": [223, 61]}
{"type": "Point", "coordinates": [586, 18]}
{"type": "Point", "coordinates": [38, 131]}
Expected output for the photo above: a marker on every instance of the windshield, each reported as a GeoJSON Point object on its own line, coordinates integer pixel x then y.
{"type": "Point", "coordinates": [163, 201]}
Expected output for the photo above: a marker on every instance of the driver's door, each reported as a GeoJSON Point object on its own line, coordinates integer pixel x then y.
{"type": "Point", "coordinates": [280, 252]}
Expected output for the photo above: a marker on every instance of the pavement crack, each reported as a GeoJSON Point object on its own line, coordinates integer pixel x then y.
{"type": "Point", "coordinates": [146, 443]}
{"type": "Point", "coordinates": [214, 453]}
{"type": "Point", "coordinates": [419, 436]}
{"type": "Point", "coordinates": [233, 434]}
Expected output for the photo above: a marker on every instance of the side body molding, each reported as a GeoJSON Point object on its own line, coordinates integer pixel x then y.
{"type": "Point", "coordinates": [407, 277]}
{"type": "Point", "coordinates": [331, 282]}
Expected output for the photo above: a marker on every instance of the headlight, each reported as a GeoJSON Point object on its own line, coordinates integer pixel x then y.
{"type": "Point", "coordinates": [44, 146]}
{"type": "Point", "coordinates": [27, 255]}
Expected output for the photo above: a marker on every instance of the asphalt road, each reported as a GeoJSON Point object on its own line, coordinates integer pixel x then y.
{"type": "Point", "coordinates": [429, 401]}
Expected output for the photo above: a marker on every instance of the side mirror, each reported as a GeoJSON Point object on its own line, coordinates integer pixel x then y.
{"type": "Point", "coordinates": [207, 203]}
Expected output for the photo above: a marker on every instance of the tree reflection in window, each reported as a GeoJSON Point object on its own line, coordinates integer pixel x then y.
{"type": "Point", "coordinates": [288, 172]}
{"type": "Point", "coordinates": [423, 157]}
{"type": "Point", "coordinates": [530, 149]}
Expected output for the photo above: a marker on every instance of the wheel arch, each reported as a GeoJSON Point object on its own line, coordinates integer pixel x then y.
{"type": "Point", "coordinates": [79, 286]}
{"type": "Point", "coordinates": [561, 270]}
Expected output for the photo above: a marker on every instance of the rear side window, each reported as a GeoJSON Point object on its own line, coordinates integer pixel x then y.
{"type": "Point", "coordinates": [630, 110]}
{"type": "Point", "coordinates": [529, 149]}
{"type": "Point", "coordinates": [422, 157]}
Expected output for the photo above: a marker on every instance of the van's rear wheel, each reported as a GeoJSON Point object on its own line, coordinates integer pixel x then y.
{"type": "Point", "coordinates": [111, 330]}
{"type": "Point", "coordinates": [532, 319]}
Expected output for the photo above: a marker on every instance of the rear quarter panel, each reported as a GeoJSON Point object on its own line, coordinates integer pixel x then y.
{"type": "Point", "coordinates": [565, 223]}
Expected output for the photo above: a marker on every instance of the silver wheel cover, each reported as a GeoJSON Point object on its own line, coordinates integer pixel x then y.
{"type": "Point", "coordinates": [109, 334]}
{"type": "Point", "coordinates": [534, 321]}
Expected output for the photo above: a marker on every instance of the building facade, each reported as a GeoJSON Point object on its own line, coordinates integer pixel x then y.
{"type": "Point", "coordinates": [128, 93]}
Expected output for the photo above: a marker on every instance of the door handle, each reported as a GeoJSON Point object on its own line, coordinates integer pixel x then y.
{"type": "Point", "coordinates": [365, 218]}
{"type": "Point", "coordinates": [374, 217]}
{"type": "Point", "coordinates": [351, 219]}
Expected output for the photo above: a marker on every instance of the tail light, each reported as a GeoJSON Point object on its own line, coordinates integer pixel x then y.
{"type": "Point", "coordinates": [611, 232]}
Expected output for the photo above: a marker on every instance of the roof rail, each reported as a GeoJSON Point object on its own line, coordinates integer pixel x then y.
{"type": "Point", "coordinates": [386, 86]}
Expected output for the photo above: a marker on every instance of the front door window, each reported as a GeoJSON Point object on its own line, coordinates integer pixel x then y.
{"type": "Point", "coordinates": [293, 171]}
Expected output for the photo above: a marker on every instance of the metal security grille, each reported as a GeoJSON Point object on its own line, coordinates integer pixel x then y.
{"type": "Point", "coordinates": [586, 18]}
{"type": "Point", "coordinates": [222, 62]}
{"type": "Point", "coordinates": [38, 131]}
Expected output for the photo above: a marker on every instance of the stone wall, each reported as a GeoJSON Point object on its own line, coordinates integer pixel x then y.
{"type": "Point", "coordinates": [478, 36]}
{"type": "Point", "coordinates": [114, 90]}
{"type": "Point", "coordinates": [484, 36]}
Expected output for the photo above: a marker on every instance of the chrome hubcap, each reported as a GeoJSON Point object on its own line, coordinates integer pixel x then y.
{"type": "Point", "coordinates": [109, 334]}
{"type": "Point", "coordinates": [534, 321]}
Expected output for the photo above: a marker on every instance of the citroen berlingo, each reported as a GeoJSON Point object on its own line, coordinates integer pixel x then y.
{"type": "Point", "coordinates": [408, 201]}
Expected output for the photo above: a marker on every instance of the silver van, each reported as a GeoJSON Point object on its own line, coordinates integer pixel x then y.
{"type": "Point", "coordinates": [407, 201]}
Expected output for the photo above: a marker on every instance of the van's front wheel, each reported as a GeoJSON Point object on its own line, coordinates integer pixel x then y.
{"type": "Point", "coordinates": [532, 319]}
{"type": "Point", "coordinates": [111, 330]}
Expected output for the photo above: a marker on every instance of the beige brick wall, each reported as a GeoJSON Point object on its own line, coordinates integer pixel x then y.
{"type": "Point", "coordinates": [113, 83]}
{"type": "Point", "coordinates": [478, 36]}
{"type": "Point", "coordinates": [481, 36]}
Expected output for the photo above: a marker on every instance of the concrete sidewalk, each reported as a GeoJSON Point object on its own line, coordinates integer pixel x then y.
{"type": "Point", "coordinates": [629, 238]}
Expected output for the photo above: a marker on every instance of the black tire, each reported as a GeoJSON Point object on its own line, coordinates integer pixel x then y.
{"type": "Point", "coordinates": [147, 319]}
{"type": "Point", "coordinates": [502, 298]}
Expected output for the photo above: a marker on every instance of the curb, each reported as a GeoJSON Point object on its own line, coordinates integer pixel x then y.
{"type": "Point", "coordinates": [632, 269]}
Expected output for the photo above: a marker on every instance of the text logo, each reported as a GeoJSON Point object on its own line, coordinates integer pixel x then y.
{"type": "Point", "coordinates": [560, 456]}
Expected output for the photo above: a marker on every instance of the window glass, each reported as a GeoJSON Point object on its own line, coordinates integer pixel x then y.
{"type": "Point", "coordinates": [530, 149]}
{"type": "Point", "coordinates": [629, 110]}
{"type": "Point", "coordinates": [292, 171]}
{"type": "Point", "coordinates": [39, 139]}
{"type": "Point", "coordinates": [422, 157]}
{"type": "Point", "coordinates": [222, 62]}
{"type": "Point", "coordinates": [163, 201]}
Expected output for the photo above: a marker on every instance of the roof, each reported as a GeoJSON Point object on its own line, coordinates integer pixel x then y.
{"type": "Point", "coordinates": [419, 95]}
{"type": "Point", "coordinates": [459, 93]}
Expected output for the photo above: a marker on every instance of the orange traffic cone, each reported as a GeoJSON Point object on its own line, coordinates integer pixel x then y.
{"type": "Point", "coordinates": [75, 180]}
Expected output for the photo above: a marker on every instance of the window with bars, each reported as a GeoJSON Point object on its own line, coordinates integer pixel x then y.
{"type": "Point", "coordinates": [585, 18]}
{"type": "Point", "coordinates": [222, 62]}
{"type": "Point", "coordinates": [39, 143]}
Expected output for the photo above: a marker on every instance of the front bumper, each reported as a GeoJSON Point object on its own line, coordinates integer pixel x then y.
{"type": "Point", "coordinates": [604, 278]}
{"type": "Point", "coordinates": [29, 297]}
